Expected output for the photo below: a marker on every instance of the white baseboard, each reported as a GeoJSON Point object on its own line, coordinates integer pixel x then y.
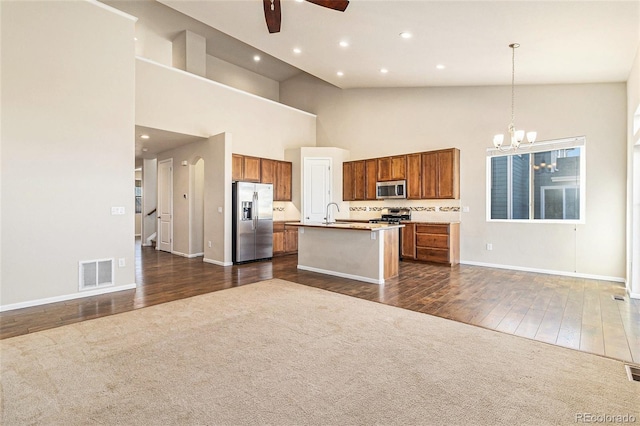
{"type": "Point", "coordinates": [188, 256]}
{"type": "Point", "coordinates": [545, 271]}
{"type": "Point", "coordinates": [633, 295]}
{"type": "Point", "coordinates": [146, 245]}
{"type": "Point", "coordinates": [341, 274]}
{"type": "Point", "coordinates": [217, 262]}
{"type": "Point", "coordinates": [66, 297]}
{"type": "Point", "coordinates": [137, 235]}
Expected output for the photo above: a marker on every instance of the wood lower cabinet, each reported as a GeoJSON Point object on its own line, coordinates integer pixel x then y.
{"type": "Point", "coordinates": [438, 242]}
{"type": "Point", "coordinates": [278, 238]}
{"type": "Point", "coordinates": [290, 239]}
{"type": "Point", "coordinates": [408, 250]}
{"type": "Point", "coordinates": [285, 239]}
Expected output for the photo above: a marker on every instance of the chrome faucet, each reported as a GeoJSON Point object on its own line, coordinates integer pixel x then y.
{"type": "Point", "coordinates": [326, 219]}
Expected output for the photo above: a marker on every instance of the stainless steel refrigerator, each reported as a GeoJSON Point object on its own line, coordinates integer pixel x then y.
{"type": "Point", "coordinates": [252, 221]}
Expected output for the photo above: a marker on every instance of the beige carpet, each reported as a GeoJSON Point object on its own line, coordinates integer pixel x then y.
{"type": "Point", "coordinates": [285, 354]}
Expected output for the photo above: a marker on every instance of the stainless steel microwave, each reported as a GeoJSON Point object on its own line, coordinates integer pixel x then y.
{"type": "Point", "coordinates": [392, 189]}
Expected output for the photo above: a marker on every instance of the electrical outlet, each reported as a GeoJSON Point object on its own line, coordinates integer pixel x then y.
{"type": "Point", "coordinates": [489, 246]}
{"type": "Point", "coordinates": [121, 262]}
{"type": "Point", "coordinates": [209, 244]}
{"type": "Point", "coordinates": [465, 209]}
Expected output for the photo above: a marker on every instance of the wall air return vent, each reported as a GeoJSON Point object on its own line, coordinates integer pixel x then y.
{"type": "Point", "coordinates": [96, 273]}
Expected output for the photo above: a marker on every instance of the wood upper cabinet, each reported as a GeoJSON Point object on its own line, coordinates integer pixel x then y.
{"type": "Point", "coordinates": [237, 167]}
{"type": "Point", "coordinates": [268, 171]}
{"type": "Point", "coordinates": [384, 169]}
{"type": "Point", "coordinates": [371, 177]}
{"type": "Point", "coordinates": [355, 184]}
{"type": "Point", "coordinates": [392, 168]}
{"type": "Point", "coordinates": [399, 167]}
{"type": "Point", "coordinates": [347, 181]}
{"type": "Point", "coordinates": [429, 175]}
{"type": "Point", "coordinates": [414, 173]}
{"type": "Point", "coordinates": [264, 170]}
{"type": "Point", "coordinates": [251, 168]}
{"type": "Point", "coordinates": [441, 174]}
{"type": "Point", "coordinates": [282, 191]}
{"type": "Point", "coordinates": [245, 168]}
{"type": "Point", "coordinates": [359, 180]}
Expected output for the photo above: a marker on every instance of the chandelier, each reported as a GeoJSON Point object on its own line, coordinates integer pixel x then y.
{"type": "Point", "coordinates": [517, 136]}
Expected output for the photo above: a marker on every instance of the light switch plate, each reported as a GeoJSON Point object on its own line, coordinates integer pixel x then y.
{"type": "Point", "coordinates": [117, 210]}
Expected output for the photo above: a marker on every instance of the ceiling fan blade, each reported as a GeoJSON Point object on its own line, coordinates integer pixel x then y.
{"type": "Point", "coordinates": [340, 5]}
{"type": "Point", "coordinates": [272, 15]}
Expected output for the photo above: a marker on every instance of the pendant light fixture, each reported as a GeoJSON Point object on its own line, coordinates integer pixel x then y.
{"type": "Point", "coordinates": [516, 136]}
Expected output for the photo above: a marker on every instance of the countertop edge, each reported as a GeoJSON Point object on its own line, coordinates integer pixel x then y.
{"type": "Point", "coordinates": [373, 227]}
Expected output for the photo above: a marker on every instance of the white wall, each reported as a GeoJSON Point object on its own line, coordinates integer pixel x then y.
{"type": "Point", "coordinates": [67, 103]}
{"type": "Point", "coordinates": [377, 122]}
{"type": "Point", "coordinates": [243, 79]}
{"type": "Point", "coordinates": [633, 186]}
{"type": "Point", "coordinates": [171, 99]}
{"type": "Point", "coordinates": [155, 31]}
{"type": "Point", "coordinates": [149, 198]}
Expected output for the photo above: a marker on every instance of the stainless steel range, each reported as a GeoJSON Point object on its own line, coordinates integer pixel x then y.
{"type": "Point", "coordinates": [393, 215]}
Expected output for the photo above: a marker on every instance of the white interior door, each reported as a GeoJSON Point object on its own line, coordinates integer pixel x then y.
{"type": "Point", "coordinates": [165, 205]}
{"type": "Point", "coordinates": [317, 189]}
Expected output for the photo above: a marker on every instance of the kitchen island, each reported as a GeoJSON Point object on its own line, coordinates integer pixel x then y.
{"type": "Point", "coordinates": [360, 251]}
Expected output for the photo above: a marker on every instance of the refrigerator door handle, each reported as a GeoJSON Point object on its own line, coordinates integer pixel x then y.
{"type": "Point", "coordinates": [254, 211]}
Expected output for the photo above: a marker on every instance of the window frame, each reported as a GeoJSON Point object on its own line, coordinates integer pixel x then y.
{"type": "Point", "coordinates": [545, 146]}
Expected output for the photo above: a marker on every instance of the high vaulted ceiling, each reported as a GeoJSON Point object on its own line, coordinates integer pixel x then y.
{"type": "Point", "coordinates": [561, 41]}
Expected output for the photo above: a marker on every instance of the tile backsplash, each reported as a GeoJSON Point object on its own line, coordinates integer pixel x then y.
{"type": "Point", "coordinates": [421, 210]}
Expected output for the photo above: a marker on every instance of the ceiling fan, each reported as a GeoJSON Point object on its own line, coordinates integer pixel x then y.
{"type": "Point", "coordinates": [272, 11]}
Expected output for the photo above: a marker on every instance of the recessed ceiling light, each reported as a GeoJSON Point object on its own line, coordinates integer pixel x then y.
{"type": "Point", "coordinates": [384, 70]}
{"type": "Point", "coordinates": [144, 150]}
{"type": "Point", "coordinates": [297, 51]}
{"type": "Point", "coordinates": [406, 34]}
{"type": "Point", "coordinates": [344, 43]}
{"type": "Point", "coordinates": [440, 67]}
{"type": "Point", "coordinates": [299, 1]}
{"type": "Point", "coordinates": [135, 39]}
{"type": "Point", "coordinates": [340, 73]}
{"type": "Point", "coordinates": [144, 136]}
{"type": "Point", "coordinates": [256, 58]}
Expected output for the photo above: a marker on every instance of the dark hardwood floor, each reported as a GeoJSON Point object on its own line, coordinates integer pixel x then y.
{"type": "Point", "coordinates": [571, 312]}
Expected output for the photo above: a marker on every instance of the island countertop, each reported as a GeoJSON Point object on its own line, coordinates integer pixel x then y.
{"type": "Point", "coordinates": [353, 226]}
